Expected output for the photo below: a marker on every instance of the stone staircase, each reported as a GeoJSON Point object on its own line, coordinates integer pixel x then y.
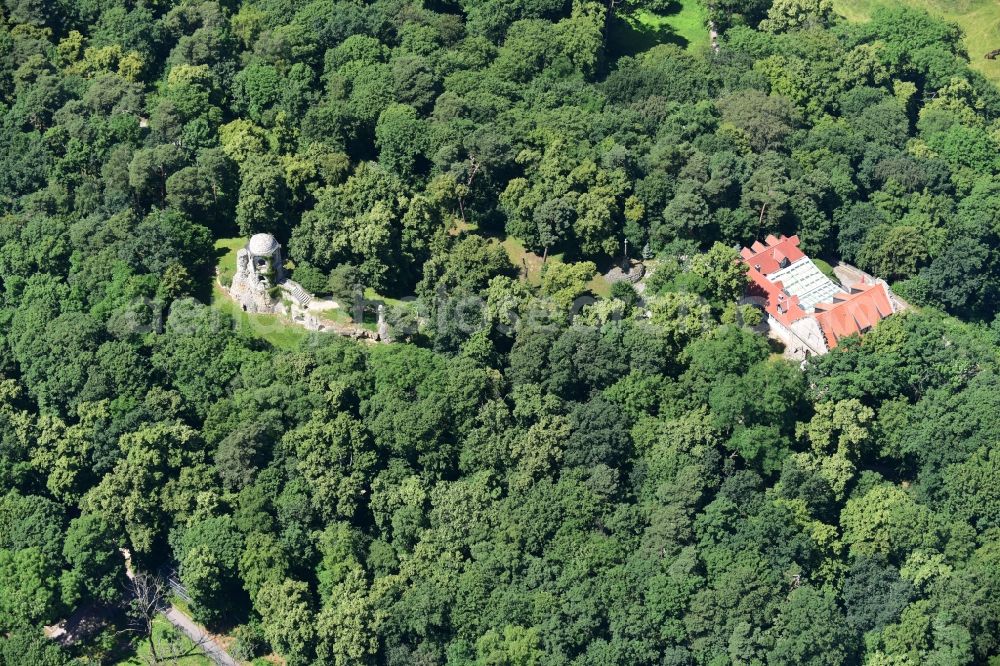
{"type": "Point", "coordinates": [297, 293]}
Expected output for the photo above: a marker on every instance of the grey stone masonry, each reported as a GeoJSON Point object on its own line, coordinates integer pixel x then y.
{"type": "Point", "coordinates": [259, 268]}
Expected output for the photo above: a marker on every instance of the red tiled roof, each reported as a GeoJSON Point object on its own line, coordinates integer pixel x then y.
{"type": "Point", "coordinates": [767, 258]}
{"type": "Point", "coordinates": [782, 307]}
{"type": "Point", "coordinates": [865, 306]}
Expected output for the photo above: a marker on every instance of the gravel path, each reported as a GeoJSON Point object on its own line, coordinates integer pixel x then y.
{"type": "Point", "coordinates": [201, 638]}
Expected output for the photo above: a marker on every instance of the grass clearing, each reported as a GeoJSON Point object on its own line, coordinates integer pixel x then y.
{"type": "Point", "coordinates": [225, 257]}
{"type": "Point", "coordinates": [686, 26]}
{"type": "Point", "coordinates": [180, 605]}
{"type": "Point", "coordinates": [278, 330]}
{"type": "Point", "coordinates": [826, 269]}
{"type": "Point", "coordinates": [690, 22]}
{"type": "Point", "coordinates": [979, 19]}
{"type": "Point", "coordinates": [599, 286]}
{"type": "Point", "coordinates": [272, 328]}
{"type": "Point", "coordinates": [172, 646]}
{"type": "Point", "coordinates": [372, 295]}
{"type": "Point", "coordinates": [393, 307]}
{"type": "Point", "coordinates": [527, 260]}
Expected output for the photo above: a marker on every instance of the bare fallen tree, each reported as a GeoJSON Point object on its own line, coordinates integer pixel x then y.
{"type": "Point", "coordinates": [147, 595]}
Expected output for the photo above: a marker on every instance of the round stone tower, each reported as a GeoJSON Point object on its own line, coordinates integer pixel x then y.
{"type": "Point", "coordinates": [265, 255]}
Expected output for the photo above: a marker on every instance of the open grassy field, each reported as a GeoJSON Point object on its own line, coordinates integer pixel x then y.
{"type": "Point", "coordinates": [686, 25]}
{"type": "Point", "coordinates": [980, 19]}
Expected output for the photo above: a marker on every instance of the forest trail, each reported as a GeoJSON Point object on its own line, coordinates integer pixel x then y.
{"type": "Point", "coordinates": [199, 636]}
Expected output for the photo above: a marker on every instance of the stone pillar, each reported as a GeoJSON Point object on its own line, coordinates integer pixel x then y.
{"type": "Point", "coordinates": [278, 265]}
{"type": "Point", "coordinates": [383, 325]}
{"type": "Point", "coordinates": [241, 263]}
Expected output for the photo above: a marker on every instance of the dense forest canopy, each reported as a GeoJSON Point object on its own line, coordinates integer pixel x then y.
{"type": "Point", "coordinates": [634, 481]}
